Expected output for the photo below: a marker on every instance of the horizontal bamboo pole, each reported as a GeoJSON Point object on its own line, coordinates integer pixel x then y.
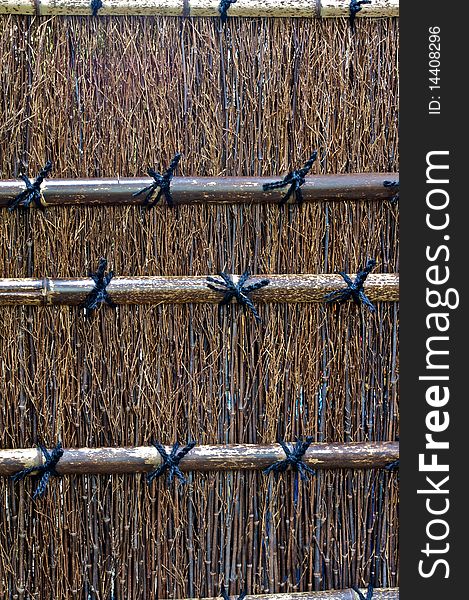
{"type": "Point", "coordinates": [349, 594]}
{"type": "Point", "coordinates": [201, 8]}
{"type": "Point", "coordinates": [180, 290]}
{"type": "Point", "coordinates": [206, 190]}
{"type": "Point", "coordinates": [100, 461]}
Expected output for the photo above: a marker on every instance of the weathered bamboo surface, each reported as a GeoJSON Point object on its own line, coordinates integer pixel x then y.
{"type": "Point", "coordinates": [378, 594]}
{"type": "Point", "coordinates": [180, 290]}
{"type": "Point", "coordinates": [201, 8]}
{"type": "Point", "coordinates": [359, 455]}
{"type": "Point", "coordinates": [206, 190]}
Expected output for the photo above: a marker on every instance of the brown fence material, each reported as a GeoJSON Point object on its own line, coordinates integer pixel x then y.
{"type": "Point", "coordinates": [171, 290]}
{"type": "Point", "coordinates": [200, 8]}
{"type": "Point", "coordinates": [202, 458]}
{"type": "Point", "coordinates": [96, 123]}
{"type": "Point", "coordinates": [207, 190]}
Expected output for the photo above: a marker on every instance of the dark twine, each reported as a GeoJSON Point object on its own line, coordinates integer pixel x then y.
{"type": "Point", "coordinates": [170, 462]}
{"type": "Point", "coordinates": [33, 192]}
{"type": "Point", "coordinates": [354, 8]}
{"type": "Point", "coordinates": [369, 593]}
{"type": "Point", "coordinates": [393, 184]}
{"type": "Point", "coordinates": [95, 6]}
{"type": "Point", "coordinates": [99, 294]}
{"type": "Point", "coordinates": [354, 289]}
{"type": "Point", "coordinates": [223, 9]}
{"type": "Point", "coordinates": [392, 465]}
{"type": "Point", "coordinates": [238, 290]}
{"type": "Point", "coordinates": [47, 470]}
{"type": "Point", "coordinates": [224, 594]}
{"type": "Point", "coordinates": [160, 185]}
{"type": "Point", "coordinates": [293, 459]}
{"type": "Point", "coordinates": [295, 180]}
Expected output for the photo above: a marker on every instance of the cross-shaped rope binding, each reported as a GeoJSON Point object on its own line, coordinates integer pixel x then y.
{"type": "Point", "coordinates": [223, 9]}
{"type": "Point", "coordinates": [96, 5]}
{"type": "Point", "coordinates": [47, 470]}
{"type": "Point", "coordinates": [354, 289]}
{"type": "Point", "coordinates": [354, 8]}
{"type": "Point", "coordinates": [295, 179]}
{"type": "Point", "coordinates": [293, 459]}
{"type": "Point", "coordinates": [99, 294]}
{"type": "Point", "coordinates": [224, 594]}
{"type": "Point", "coordinates": [369, 594]}
{"type": "Point", "coordinates": [170, 462]}
{"type": "Point", "coordinates": [161, 186]}
{"type": "Point", "coordinates": [237, 290]}
{"type": "Point", "coordinates": [33, 192]}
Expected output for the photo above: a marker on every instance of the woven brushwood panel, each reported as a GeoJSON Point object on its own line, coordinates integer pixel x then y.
{"type": "Point", "coordinates": [112, 96]}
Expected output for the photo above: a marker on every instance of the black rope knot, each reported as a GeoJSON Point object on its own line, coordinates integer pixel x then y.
{"type": "Point", "coordinates": [295, 179]}
{"type": "Point", "coordinates": [369, 593]}
{"type": "Point", "coordinates": [293, 459]}
{"type": "Point", "coordinates": [160, 186]}
{"type": "Point", "coordinates": [393, 184]}
{"type": "Point", "coordinates": [392, 465]}
{"type": "Point", "coordinates": [99, 294]}
{"type": "Point", "coordinates": [238, 290]}
{"type": "Point", "coordinates": [223, 9]}
{"type": "Point", "coordinates": [33, 192]}
{"type": "Point", "coordinates": [96, 5]}
{"type": "Point", "coordinates": [47, 470]}
{"type": "Point", "coordinates": [354, 289]}
{"type": "Point", "coordinates": [224, 594]}
{"type": "Point", "coordinates": [170, 462]}
{"type": "Point", "coordinates": [354, 8]}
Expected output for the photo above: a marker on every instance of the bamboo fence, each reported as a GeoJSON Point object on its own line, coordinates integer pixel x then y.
{"type": "Point", "coordinates": [207, 190]}
{"type": "Point", "coordinates": [200, 8]}
{"type": "Point", "coordinates": [101, 461]}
